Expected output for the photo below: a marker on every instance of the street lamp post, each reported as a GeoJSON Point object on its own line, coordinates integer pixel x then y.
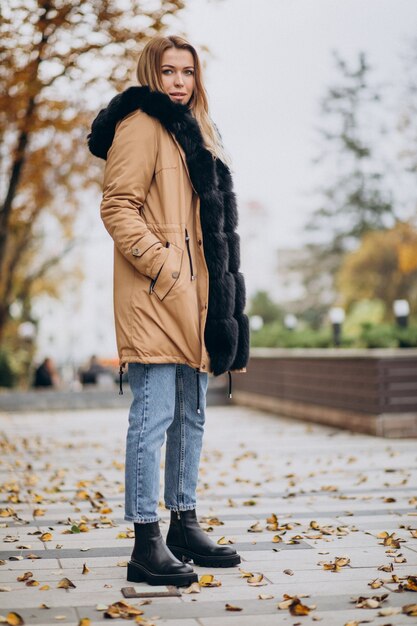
{"type": "Point", "coordinates": [256, 322]}
{"type": "Point", "coordinates": [290, 321]}
{"type": "Point", "coordinates": [337, 317]}
{"type": "Point", "coordinates": [401, 312]}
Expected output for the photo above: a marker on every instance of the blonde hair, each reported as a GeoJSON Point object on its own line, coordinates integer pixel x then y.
{"type": "Point", "coordinates": [148, 73]}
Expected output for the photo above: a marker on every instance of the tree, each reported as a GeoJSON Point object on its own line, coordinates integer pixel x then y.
{"type": "Point", "coordinates": [354, 200]}
{"type": "Point", "coordinates": [383, 268]}
{"type": "Point", "coordinates": [56, 59]}
{"type": "Point", "coordinates": [261, 304]}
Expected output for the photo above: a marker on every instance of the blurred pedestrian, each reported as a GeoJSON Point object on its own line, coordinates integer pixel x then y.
{"type": "Point", "coordinates": [46, 374]}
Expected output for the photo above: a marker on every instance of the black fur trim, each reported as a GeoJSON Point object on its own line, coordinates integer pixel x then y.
{"type": "Point", "coordinates": [227, 328]}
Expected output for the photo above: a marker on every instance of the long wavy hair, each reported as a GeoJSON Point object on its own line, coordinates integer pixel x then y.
{"type": "Point", "coordinates": [149, 73]}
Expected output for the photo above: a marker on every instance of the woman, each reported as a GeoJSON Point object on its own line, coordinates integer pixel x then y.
{"type": "Point", "coordinates": [179, 297]}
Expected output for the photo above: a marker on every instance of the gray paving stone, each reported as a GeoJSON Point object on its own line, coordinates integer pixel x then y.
{"type": "Point", "coordinates": [286, 467]}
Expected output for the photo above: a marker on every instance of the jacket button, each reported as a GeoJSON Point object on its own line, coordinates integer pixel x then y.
{"type": "Point", "coordinates": [199, 242]}
{"type": "Point", "coordinates": [175, 274]}
{"type": "Point", "coordinates": [135, 251]}
{"type": "Point", "coordinates": [204, 367]}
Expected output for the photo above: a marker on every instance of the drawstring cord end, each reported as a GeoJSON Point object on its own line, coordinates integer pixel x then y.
{"type": "Point", "coordinates": [197, 371]}
{"type": "Point", "coordinates": [121, 380]}
{"type": "Point", "coordinates": [230, 383]}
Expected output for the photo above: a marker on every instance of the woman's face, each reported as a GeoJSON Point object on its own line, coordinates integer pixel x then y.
{"type": "Point", "coordinates": [177, 73]}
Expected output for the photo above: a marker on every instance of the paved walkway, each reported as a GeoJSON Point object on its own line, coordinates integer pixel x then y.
{"type": "Point", "coordinates": [337, 497]}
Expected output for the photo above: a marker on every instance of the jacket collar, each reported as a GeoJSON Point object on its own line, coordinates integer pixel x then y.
{"type": "Point", "coordinates": [174, 116]}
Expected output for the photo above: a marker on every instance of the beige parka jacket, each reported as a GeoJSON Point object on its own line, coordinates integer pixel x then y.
{"type": "Point", "coordinates": [172, 265]}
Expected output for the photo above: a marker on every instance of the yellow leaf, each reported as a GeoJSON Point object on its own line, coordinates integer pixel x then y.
{"type": "Point", "coordinates": [208, 580]}
{"type": "Point", "coordinates": [223, 541]}
{"type": "Point", "coordinates": [46, 537]}
{"type": "Point", "coordinates": [14, 619]}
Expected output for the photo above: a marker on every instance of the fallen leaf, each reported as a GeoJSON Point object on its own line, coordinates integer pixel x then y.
{"type": "Point", "coordinates": [14, 619]}
{"type": "Point", "coordinates": [231, 607]}
{"type": "Point", "coordinates": [410, 609]}
{"type": "Point", "coordinates": [66, 583]}
{"type": "Point", "coordinates": [208, 580]}
{"type": "Point", "coordinates": [193, 588]}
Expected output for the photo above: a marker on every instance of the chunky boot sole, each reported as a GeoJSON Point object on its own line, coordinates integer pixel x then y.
{"type": "Point", "coordinates": [185, 556]}
{"type": "Point", "coordinates": [137, 573]}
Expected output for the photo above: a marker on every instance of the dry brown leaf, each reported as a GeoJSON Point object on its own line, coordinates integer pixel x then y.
{"type": "Point", "coordinates": [411, 584]}
{"type": "Point", "coordinates": [400, 558]}
{"type": "Point", "coordinates": [392, 541]}
{"type": "Point", "coordinates": [298, 608]}
{"type": "Point", "coordinates": [410, 609]}
{"type": "Point", "coordinates": [66, 583]}
{"type": "Point", "coordinates": [38, 512]}
{"type": "Point", "coordinates": [24, 576]}
{"type": "Point", "coordinates": [255, 528]}
{"type": "Point", "coordinates": [245, 574]}
{"type": "Point", "coordinates": [232, 607]}
{"type": "Point", "coordinates": [373, 602]}
{"type": "Point", "coordinates": [389, 610]}
{"type": "Point", "coordinates": [265, 596]}
{"type": "Point", "coordinates": [193, 588]}
{"type": "Point", "coordinates": [256, 581]}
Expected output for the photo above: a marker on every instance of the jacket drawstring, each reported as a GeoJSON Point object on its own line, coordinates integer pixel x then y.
{"type": "Point", "coordinates": [121, 380]}
{"type": "Point", "coordinates": [197, 371]}
{"type": "Point", "coordinates": [230, 383]}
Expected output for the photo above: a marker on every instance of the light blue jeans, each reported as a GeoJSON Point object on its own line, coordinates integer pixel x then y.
{"type": "Point", "coordinates": [165, 400]}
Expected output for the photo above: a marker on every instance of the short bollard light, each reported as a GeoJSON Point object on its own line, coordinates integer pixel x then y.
{"type": "Point", "coordinates": [256, 322]}
{"type": "Point", "coordinates": [337, 317]}
{"type": "Point", "coordinates": [290, 321]}
{"type": "Point", "coordinates": [401, 312]}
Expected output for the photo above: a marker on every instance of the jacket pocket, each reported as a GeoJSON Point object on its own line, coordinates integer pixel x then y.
{"type": "Point", "coordinates": [187, 241]}
{"type": "Point", "coordinates": [169, 273]}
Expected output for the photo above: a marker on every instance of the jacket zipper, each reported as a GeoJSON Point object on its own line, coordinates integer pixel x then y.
{"type": "Point", "coordinates": [187, 241]}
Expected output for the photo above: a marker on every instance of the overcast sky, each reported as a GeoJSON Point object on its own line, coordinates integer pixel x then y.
{"type": "Point", "coordinates": [271, 64]}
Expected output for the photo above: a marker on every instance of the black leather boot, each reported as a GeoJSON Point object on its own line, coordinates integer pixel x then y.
{"type": "Point", "coordinates": [153, 562]}
{"type": "Point", "coordinates": [188, 541]}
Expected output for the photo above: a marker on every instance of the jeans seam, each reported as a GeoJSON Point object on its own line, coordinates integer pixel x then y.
{"type": "Point", "coordinates": [140, 437]}
{"type": "Point", "coordinates": [182, 437]}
